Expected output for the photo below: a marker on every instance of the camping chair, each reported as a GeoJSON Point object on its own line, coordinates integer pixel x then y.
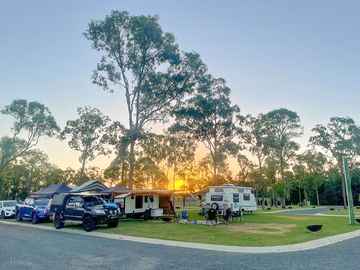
{"type": "Point", "coordinates": [184, 215]}
{"type": "Point", "coordinates": [227, 216]}
{"type": "Point", "coordinates": [211, 216]}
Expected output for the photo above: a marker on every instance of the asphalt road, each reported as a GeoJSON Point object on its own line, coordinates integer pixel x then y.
{"type": "Point", "coordinates": [27, 248]}
{"type": "Point", "coordinates": [312, 211]}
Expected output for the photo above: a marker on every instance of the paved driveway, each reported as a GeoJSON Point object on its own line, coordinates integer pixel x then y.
{"type": "Point", "coordinates": [27, 248]}
{"type": "Point", "coordinates": [307, 211]}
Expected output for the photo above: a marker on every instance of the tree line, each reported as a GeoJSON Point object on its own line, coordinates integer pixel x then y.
{"type": "Point", "coordinates": [165, 85]}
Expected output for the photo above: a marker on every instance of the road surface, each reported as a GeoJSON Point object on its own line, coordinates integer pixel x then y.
{"type": "Point", "coordinates": [308, 211]}
{"type": "Point", "coordinates": [27, 248]}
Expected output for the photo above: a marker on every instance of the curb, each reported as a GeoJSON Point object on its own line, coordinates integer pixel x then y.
{"type": "Point", "coordinates": [209, 247]}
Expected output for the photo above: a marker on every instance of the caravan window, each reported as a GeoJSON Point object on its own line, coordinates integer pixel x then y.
{"type": "Point", "coordinates": [148, 199]}
{"type": "Point", "coordinates": [246, 197]}
{"type": "Point", "coordinates": [236, 197]}
{"type": "Point", "coordinates": [217, 198]}
{"type": "Point", "coordinates": [139, 201]}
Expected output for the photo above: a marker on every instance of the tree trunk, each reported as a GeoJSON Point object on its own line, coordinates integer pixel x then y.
{"type": "Point", "coordinates": [123, 172]}
{"type": "Point", "coordinates": [82, 169]}
{"type": "Point", "coordinates": [131, 163]}
{"type": "Point", "coordinates": [317, 195]}
{"type": "Point", "coordinates": [343, 185]}
{"type": "Point", "coordinates": [306, 198]}
{"type": "Point", "coordinates": [283, 200]}
{"type": "Point", "coordinates": [174, 177]}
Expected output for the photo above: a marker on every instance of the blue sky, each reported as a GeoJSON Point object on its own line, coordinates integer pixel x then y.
{"type": "Point", "coordinates": [301, 55]}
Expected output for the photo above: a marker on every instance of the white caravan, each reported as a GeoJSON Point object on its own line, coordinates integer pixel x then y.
{"type": "Point", "coordinates": [247, 199]}
{"type": "Point", "coordinates": [145, 203]}
{"type": "Point", "coordinates": [222, 198]}
{"type": "Point", "coordinates": [230, 196]}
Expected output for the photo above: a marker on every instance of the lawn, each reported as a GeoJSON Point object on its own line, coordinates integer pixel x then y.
{"type": "Point", "coordinates": [255, 229]}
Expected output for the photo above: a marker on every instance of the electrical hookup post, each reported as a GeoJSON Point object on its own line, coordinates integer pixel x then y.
{"type": "Point", "coordinates": [348, 191]}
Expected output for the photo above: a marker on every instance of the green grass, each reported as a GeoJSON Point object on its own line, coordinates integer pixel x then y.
{"type": "Point", "coordinates": [255, 229]}
{"type": "Point", "coordinates": [274, 229]}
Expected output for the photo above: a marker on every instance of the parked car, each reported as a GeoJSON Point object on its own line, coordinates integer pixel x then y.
{"type": "Point", "coordinates": [35, 209]}
{"type": "Point", "coordinates": [7, 209]}
{"type": "Point", "coordinates": [90, 210]}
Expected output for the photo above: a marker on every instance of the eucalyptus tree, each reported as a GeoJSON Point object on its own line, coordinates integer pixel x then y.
{"type": "Point", "coordinates": [340, 137]}
{"type": "Point", "coordinates": [209, 117]}
{"type": "Point", "coordinates": [255, 136]}
{"type": "Point", "coordinates": [152, 153]}
{"type": "Point", "coordinates": [283, 127]}
{"type": "Point", "coordinates": [32, 120]}
{"type": "Point", "coordinates": [315, 164]}
{"type": "Point", "coordinates": [88, 134]}
{"type": "Point", "coordinates": [180, 152]}
{"type": "Point", "coordinates": [144, 62]}
{"type": "Point", "coordinates": [246, 167]}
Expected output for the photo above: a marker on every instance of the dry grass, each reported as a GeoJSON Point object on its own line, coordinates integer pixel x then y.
{"type": "Point", "coordinates": [255, 228]}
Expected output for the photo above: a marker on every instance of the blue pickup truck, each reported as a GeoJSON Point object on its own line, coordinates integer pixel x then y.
{"type": "Point", "coordinates": [35, 209]}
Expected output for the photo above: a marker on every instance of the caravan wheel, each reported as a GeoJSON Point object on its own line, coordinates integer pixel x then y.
{"type": "Point", "coordinates": [215, 206]}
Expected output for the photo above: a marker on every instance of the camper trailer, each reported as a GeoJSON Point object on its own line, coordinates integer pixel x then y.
{"type": "Point", "coordinates": [230, 196]}
{"type": "Point", "coordinates": [247, 199]}
{"type": "Point", "coordinates": [222, 198]}
{"type": "Point", "coordinates": [146, 204]}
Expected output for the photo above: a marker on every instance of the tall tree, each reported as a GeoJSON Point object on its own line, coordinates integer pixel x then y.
{"type": "Point", "coordinates": [283, 126]}
{"type": "Point", "coordinates": [152, 154]}
{"type": "Point", "coordinates": [145, 62]}
{"type": "Point", "coordinates": [340, 138]}
{"type": "Point", "coordinates": [209, 117]}
{"type": "Point", "coordinates": [246, 168]}
{"type": "Point", "coordinates": [180, 152]}
{"type": "Point", "coordinates": [88, 134]}
{"type": "Point", "coordinates": [32, 120]}
{"type": "Point", "coordinates": [256, 138]}
{"type": "Point", "coordinates": [315, 164]}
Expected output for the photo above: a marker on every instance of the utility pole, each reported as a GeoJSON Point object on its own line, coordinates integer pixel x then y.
{"type": "Point", "coordinates": [349, 191]}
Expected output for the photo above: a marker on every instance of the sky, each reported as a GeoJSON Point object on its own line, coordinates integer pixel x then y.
{"type": "Point", "coordinates": [299, 55]}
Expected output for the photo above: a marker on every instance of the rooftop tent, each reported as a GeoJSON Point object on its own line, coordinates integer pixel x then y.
{"type": "Point", "coordinates": [91, 185]}
{"type": "Point", "coordinates": [52, 190]}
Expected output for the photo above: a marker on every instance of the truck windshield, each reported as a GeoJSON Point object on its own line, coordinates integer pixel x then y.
{"type": "Point", "coordinates": [9, 204]}
{"type": "Point", "coordinates": [92, 201]}
{"type": "Point", "coordinates": [44, 201]}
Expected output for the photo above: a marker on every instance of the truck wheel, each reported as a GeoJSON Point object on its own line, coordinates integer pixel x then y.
{"type": "Point", "coordinates": [18, 217]}
{"type": "Point", "coordinates": [2, 215]}
{"type": "Point", "coordinates": [89, 224]}
{"type": "Point", "coordinates": [58, 223]}
{"type": "Point", "coordinates": [34, 219]}
{"type": "Point", "coordinates": [215, 206]}
{"type": "Point", "coordinates": [113, 223]}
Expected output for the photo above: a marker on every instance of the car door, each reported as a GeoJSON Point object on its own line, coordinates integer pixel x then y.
{"type": "Point", "coordinates": [24, 208]}
{"type": "Point", "coordinates": [69, 208]}
{"type": "Point", "coordinates": [79, 208]}
{"type": "Point", "coordinates": [29, 208]}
